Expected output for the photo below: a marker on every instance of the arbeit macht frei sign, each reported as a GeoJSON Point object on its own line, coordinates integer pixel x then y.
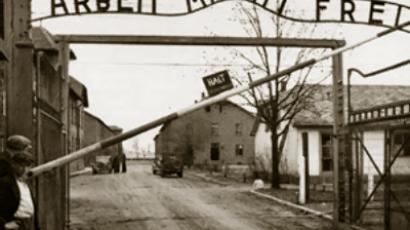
{"type": "Point", "coordinates": [371, 12]}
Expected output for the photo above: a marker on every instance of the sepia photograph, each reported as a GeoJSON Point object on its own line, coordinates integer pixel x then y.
{"type": "Point", "coordinates": [204, 115]}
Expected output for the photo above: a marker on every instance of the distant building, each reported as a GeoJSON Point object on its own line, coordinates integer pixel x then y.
{"type": "Point", "coordinates": [96, 130]}
{"type": "Point", "coordinates": [86, 129]}
{"type": "Point", "coordinates": [217, 135]}
{"type": "Point", "coordinates": [77, 101]}
{"type": "Point", "coordinates": [316, 123]}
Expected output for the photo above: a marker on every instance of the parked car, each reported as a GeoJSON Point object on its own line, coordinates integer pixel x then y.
{"type": "Point", "coordinates": [168, 164]}
{"type": "Point", "coordinates": [102, 165]}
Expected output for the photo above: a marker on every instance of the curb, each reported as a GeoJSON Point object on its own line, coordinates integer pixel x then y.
{"type": "Point", "coordinates": [304, 209]}
{"type": "Point", "coordinates": [205, 178]}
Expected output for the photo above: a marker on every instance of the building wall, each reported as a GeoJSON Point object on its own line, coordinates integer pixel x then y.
{"type": "Point", "coordinates": [193, 133]}
{"type": "Point", "coordinates": [263, 152]}
{"type": "Point", "coordinates": [76, 132]}
{"type": "Point", "coordinates": [314, 150]}
{"type": "Point", "coordinates": [292, 151]}
{"type": "Point", "coordinates": [96, 130]}
{"type": "Point", "coordinates": [402, 164]}
{"type": "Point", "coordinates": [374, 142]}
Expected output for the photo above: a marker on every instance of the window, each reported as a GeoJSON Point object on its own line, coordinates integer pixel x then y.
{"type": "Point", "coordinates": [239, 150]}
{"type": "Point", "coordinates": [327, 152]}
{"type": "Point", "coordinates": [402, 138]}
{"type": "Point", "coordinates": [214, 151]}
{"type": "Point", "coordinates": [214, 129]}
{"type": "Point", "coordinates": [238, 129]}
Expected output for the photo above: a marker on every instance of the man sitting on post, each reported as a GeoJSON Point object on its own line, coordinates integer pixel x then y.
{"type": "Point", "coordinates": [17, 206]}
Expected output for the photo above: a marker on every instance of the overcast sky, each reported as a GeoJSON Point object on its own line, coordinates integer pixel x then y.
{"type": "Point", "coordinates": [131, 85]}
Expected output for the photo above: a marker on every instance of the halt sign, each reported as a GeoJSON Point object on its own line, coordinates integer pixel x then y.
{"type": "Point", "coordinates": [217, 82]}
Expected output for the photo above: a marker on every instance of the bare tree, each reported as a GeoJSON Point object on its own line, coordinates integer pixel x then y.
{"type": "Point", "coordinates": [275, 104]}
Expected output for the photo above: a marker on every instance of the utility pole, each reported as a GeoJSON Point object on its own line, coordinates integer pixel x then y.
{"type": "Point", "coordinates": [339, 141]}
{"type": "Point", "coordinates": [64, 52]}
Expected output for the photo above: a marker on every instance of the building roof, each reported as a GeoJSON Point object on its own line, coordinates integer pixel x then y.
{"type": "Point", "coordinates": [115, 128]}
{"type": "Point", "coordinates": [225, 102]}
{"type": "Point", "coordinates": [44, 40]}
{"type": "Point", "coordinates": [239, 107]}
{"type": "Point", "coordinates": [320, 113]}
{"type": "Point", "coordinates": [79, 90]}
{"type": "Point", "coordinates": [110, 127]}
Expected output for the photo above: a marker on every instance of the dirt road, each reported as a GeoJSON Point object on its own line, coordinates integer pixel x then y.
{"type": "Point", "coordinates": [140, 200]}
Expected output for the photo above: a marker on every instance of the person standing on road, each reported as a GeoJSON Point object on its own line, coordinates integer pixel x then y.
{"type": "Point", "coordinates": [123, 163]}
{"type": "Point", "coordinates": [17, 206]}
{"type": "Point", "coordinates": [115, 163]}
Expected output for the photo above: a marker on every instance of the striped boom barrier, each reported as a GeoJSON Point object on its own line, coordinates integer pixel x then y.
{"type": "Point", "coordinates": [220, 97]}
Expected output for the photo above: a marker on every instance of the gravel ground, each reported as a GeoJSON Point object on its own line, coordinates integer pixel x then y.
{"type": "Point", "coordinates": [140, 200]}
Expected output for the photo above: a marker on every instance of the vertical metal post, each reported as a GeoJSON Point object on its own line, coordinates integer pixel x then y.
{"type": "Point", "coordinates": [361, 174]}
{"type": "Point", "coordinates": [352, 154]}
{"type": "Point", "coordinates": [338, 144]}
{"type": "Point", "coordinates": [387, 169]}
{"type": "Point", "coordinates": [349, 167]}
{"type": "Point", "coordinates": [305, 149]}
{"type": "Point", "coordinates": [357, 178]}
{"type": "Point", "coordinates": [349, 151]}
{"type": "Point", "coordinates": [64, 84]}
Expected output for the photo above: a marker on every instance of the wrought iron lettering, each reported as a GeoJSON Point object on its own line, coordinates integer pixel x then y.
{"type": "Point", "coordinates": [348, 11]}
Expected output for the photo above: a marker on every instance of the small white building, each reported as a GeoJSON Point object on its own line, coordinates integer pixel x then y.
{"type": "Point", "coordinates": [314, 127]}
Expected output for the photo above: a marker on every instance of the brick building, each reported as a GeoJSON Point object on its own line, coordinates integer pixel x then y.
{"type": "Point", "coordinates": [96, 130]}
{"type": "Point", "coordinates": [217, 135]}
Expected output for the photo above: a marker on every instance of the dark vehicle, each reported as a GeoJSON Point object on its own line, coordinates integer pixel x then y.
{"type": "Point", "coordinates": [168, 164]}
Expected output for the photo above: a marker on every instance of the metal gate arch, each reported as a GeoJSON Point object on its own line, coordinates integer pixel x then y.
{"type": "Point", "coordinates": [337, 78]}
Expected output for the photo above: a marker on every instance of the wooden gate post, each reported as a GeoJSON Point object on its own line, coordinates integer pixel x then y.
{"type": "Point", "coordinates": [65, 84]}
{"type": "Point", "coordinates": [338, 143]}
{"type": "Point", "coordinates": [20, 82]}
{"type": "Point", "coordinates": [387, 181]}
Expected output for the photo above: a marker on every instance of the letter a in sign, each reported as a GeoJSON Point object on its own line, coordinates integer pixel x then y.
{"type": "Point", "coordinates": [217, 82]}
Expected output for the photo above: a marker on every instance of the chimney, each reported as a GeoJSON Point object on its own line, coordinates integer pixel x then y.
{"type": "Point", "coordinates": [202, 95]}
